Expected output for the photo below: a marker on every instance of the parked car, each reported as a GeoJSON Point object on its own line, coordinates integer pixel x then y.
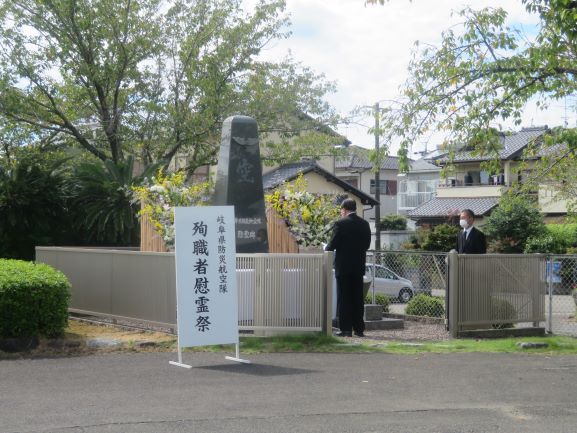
{"type": "Point", "coordinates": [389, 283]}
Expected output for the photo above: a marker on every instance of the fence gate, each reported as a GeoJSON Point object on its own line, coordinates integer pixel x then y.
{"type": "Point", "coordinates": [493, 291]}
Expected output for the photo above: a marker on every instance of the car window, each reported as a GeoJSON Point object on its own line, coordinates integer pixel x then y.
{"type": "Point", "coordinates": [384, 273]}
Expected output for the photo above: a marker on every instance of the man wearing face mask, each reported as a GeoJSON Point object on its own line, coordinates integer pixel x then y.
{"type": "Point", "coordinates": [471, 240]}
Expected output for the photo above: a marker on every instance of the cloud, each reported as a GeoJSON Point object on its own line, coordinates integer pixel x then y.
{"type": "Point", "coordinates": [366, 50]}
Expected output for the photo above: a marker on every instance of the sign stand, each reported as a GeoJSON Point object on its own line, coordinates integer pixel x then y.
{"type": "Point", "coordinates": [206, 292]}
{"type": "Point", "coordinates": [179, 363]}
{"type": "Point", "coordinates": [237, 358]}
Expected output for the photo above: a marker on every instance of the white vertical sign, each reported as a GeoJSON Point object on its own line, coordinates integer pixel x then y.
{"type": "Point", "coordinates": [207, 302]}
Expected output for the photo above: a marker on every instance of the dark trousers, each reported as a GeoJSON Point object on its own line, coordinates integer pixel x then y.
{"type": "Point", "coordinates": [350, 303]}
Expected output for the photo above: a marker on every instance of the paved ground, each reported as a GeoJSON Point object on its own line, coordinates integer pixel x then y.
{"type": "Point", "coordinates": [336, 393]}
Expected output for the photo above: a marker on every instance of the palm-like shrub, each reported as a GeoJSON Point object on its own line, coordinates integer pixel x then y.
{"type": "Point", "coordinates": [102, 199]}
{"type": "Point", "coordinates": [32, 206]}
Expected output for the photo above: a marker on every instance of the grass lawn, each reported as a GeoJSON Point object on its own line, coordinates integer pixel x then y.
{"type": "Point", "coordinates": [555, 345]}
{"type": "Point", "coordinates": [79, 335]}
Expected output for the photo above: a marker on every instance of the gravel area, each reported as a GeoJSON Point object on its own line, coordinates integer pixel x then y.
{"type": "Point", "coordinates": [413, 331]}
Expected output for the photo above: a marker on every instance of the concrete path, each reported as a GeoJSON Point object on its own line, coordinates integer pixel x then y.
{"type": "Point", "coordinates": [142, 393]}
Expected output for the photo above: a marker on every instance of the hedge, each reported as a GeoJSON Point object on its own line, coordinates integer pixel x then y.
{"type": "Point", "coordinates": [425, 305]}
{"type": "Point", "coordinates": [34, 300]}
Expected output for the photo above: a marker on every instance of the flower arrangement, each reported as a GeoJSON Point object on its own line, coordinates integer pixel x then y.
{"type": "Point", "coordinates": [308, 216]}
{"type": "Point", "coordinates": [162, 193]}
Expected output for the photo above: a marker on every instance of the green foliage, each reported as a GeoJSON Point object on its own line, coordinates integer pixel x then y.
{"type": "Point", "coordinates": [502, 310]}
{"type": "Point", "coordinates": [544, 244]}
{"type": "Point", "coordinates": [512, 223]}
{"type": "Point", "coordinates": [380, 299]}
{"type": "Point", "coordinates": [153, 78]}
{"type": "Point", "coordinates": [33, 300]}
{"type": "Point", "coordinates": [441, 238]}
{"type": "Point", "coordinates": [102, 201]}
{"type": "Point", "coordinates": [393, 222]}
{"type": "Point", "coordinates": [558, 239]}
{"type": "Point", "coordinates": [32, 205]}
{"type": "Point", "coordinates": [308, 216]}
{"type": "Point", "coordinates": [425, 305]}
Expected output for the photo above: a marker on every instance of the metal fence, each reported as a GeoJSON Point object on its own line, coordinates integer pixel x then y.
{"type": "Point", "coordinates": [561, 299]}
{"type": "Point", "coordinates": [277, 292]}
{"type": "Point", "coordinates": [402, 275]}
{"type": "Point", "coordinates": [293, 291]}
{"type": "Point", "coordinates": [498, 290]}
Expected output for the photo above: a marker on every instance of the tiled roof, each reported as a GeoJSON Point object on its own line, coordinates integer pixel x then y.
{"type": "Point", "coordinates": [358, 157]}
{"type": "Point", "coordinates": [289, 172]}
{"type": "Point", "coordinates": [421, 165]}
{"type": "Point", "coordinates": [285, 173]}
{"type": "Point", "coordinates": [443, 207]}
{"type": "Point", "coordinates": [512, 145]}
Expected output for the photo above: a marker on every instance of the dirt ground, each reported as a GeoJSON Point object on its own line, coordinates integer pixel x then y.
{"type": "Point", "coordinates": [81, 338]}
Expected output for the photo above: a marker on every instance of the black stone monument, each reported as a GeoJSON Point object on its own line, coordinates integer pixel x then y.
{"type": "Point", "coordinates": [239, 183]}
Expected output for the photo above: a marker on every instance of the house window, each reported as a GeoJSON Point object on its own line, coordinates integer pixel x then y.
{"type": "Point", "coordinates": [388, 187]}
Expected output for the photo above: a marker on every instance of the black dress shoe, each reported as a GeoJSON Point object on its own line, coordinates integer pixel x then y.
{"type": "Point", "coordinates": [344, 334]}
{"type": "Point", "coordinates": [360, 334]}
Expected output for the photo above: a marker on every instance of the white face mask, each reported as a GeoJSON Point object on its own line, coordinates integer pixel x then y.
{"type": "Point", "coordinates": [464, 224]}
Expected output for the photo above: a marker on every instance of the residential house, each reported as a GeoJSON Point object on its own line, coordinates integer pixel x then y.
{"type": "Point", "coordinates": [355, 169]}
{"type": "Point", "coordinates": [417, 186]}
{"type": "Point", "coordinates": [319, 181]}
{"type": "Point", "coordinates": [470, 186]}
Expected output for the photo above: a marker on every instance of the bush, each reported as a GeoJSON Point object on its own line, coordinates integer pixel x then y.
{"type": "Point", "coordinates": [393, 222]}
{"type": "Point", "coordinates": [33, 300]}
{"type": "Point", "coordinates": [380, 299]}
{"type": "Point", "coordinates": [502, 310]}
{"type": "Point", "coordinates": [441, 238]}
{"type": "Point", "coordinates": [512, 223]}
{"type": "Point", "coordinates": [425, 305]}
{"type": "Point", "coordinates": [566, 233]}
{"type": "Point", "coordinates": [544, 244]}
{"type": "Point", "coordinates": [558, 239]}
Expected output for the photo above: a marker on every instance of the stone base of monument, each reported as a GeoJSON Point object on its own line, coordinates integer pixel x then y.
{"type": "Point", "coordinates": [374, 319]}
{"type": "Point", "coordinates": [385, 323]}
{"type": "Point", "coordinates": [373, 312]}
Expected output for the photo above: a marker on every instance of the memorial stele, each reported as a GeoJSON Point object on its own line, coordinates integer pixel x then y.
{"type": "Point", "coordinates": [239, 183]}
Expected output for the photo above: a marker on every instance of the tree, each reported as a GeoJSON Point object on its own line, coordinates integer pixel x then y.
{"type": "Point", "coordinates": [441, 238]}
{"type": "Point", "coordinates": [393, 222]}
{"type": "Point", "coordinates": [515, 220]}
{"type": "Point", "coordinates": [485, 74]}
{"type": "Point", "coordinates": [120, 77]}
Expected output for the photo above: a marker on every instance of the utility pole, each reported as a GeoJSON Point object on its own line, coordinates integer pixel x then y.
{"type": "Point", "coordinates": [377, 182]}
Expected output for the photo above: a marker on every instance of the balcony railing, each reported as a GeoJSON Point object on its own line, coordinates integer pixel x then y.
{"type": "Point", "coordinates": [411, 200]}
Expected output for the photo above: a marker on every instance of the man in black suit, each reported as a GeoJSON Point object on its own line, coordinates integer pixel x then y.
{"type": "Point", "coordinates": [471, 240]}
{"type": "Point", "coordinates": [351, 239]}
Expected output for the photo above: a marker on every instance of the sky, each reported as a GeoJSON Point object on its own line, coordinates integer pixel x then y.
{"type": "Point", "coordinates": [366, 51]}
